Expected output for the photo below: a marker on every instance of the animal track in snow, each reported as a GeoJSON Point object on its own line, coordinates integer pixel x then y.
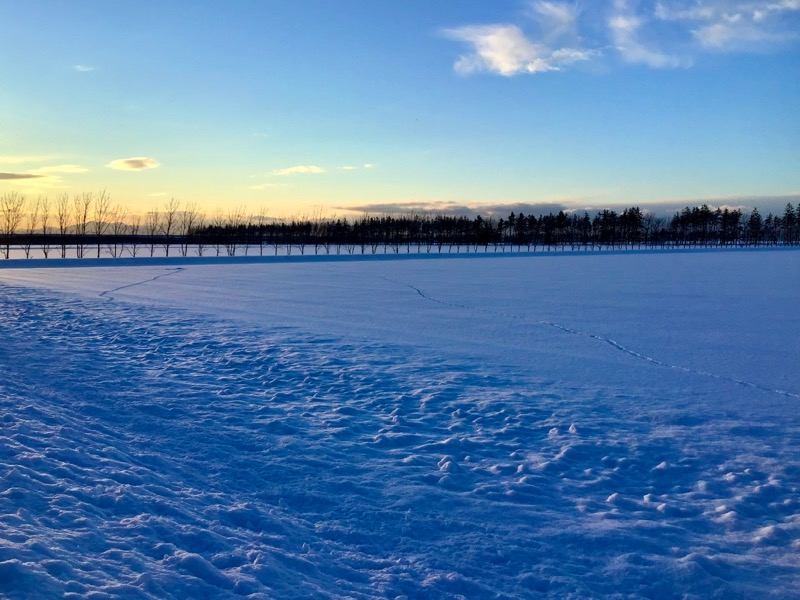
{"type": "Point", "coordinates": [169, 272]}
{"type": "Point", "coordinates": [599, 338]}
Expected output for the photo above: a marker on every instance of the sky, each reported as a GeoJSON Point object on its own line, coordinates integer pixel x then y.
{"type": "Point", "coordinates": [327, 107]}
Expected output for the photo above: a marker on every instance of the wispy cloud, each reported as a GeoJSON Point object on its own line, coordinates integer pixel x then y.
{"type": "Point", "coordinates": [506, 50]}
{"type": "Point", "coordinates": [266, 186]}
{"type": "Point", "coordinates": [735, 25]}
{"type": "Point", "coordinates": [82, 68]}
{"type": "Point", "coordinates": [60, 169]}
{"type": "Point", "coordinates": [40, 178]}
{"type": "Point", "coordinates": [557, 21]}
{"type": "Point", "coordinates": [24, 159]}
{"type": "Point", "coordinates": [554, 35]}
{"type": "Point", "coordinates": [18, 176]}
{"type": "Point", "coordinates": [625, 29]}
{"type": "Point", "coordinates": [137, 163]}
{"type": "Point", "coordinates": [298, 170]}
{"type": "Point", "coordinates": [355, 168]}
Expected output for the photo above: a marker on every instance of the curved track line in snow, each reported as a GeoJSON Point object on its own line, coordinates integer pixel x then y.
{"type": "Point", "coordinates": [170, 271]}
{"type": "Point", "coordinates": [599, 338]}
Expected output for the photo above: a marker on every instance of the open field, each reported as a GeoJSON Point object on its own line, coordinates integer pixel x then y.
{"type": "Point", "coordinates": [574, 425]}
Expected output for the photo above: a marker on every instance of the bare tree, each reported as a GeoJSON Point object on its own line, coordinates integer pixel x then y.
{"type": "Point", "coordinates": [119, 228]}
{"type": "Point", "coordinates": [133, 229]}
{"type": "Point", "coordinates": [168, 223]}
{"type": "Point", "coordinates": [325, 229]}
{"type": "Point", "coordinates": [102, 206]}
{"type": "Point", "coordinates": [11, 209]}
{"type": "Point", "coordinates": [218, 222]}
{"type": "Point", "coordinates": [82, 203]}
{"type": "Point", "coordinates": [277, 233]}
{"type": "Point", "coordinates": [201, 239]}
{"type": "Point", "coordinates": [350, 241]}
{"type": "Point", "coordinates": [152, 222]}
{"type": "Point", "coordinates": [234, 222]}
{"type": "Point", "coordinates": [44, 221]}
{"type": "Point", "coordinates": [62, 216]}
{"type": "Point", "coordinates": [261, 237]}
{"type": "Point", "coordinates": [302, 227]}
{"type": "Point", "coordinates": [190, 221]}
{"type": "Point", "coordinates": [32, 225]}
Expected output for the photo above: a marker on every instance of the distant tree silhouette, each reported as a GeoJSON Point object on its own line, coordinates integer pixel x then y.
{"type": "Point", "coordinates": [185, 226]}
{"type": "Point", "coordinates": [102, 206]}
{"type": "Point", "coordinates": [63, 218]}
{"type": "Point", "coordinates": [133, 229]}
{"type": "Point", "coordinates": [45, 223]}
{"type": "Point", "coordinates": [32, 225]}
{"type": "Point", "coordinates": [167, 223]}
{"type": "Point", "coordinates": [82, 203]}
{"type": "Point", "coordinates": [755, 227]}
{"type": "Point", "coordinates": [11, 212]}
{"type": "Point", "coordinates": [118, 228]}
{"type": "Point", "coordinates": [790, 224]}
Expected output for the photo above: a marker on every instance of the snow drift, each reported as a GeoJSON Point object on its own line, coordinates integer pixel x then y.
{"type": "Point", "coordinates": [509, 427]}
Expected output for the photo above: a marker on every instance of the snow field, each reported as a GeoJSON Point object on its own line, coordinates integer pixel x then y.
{"type": "Point", "coordinates": [499, 428]}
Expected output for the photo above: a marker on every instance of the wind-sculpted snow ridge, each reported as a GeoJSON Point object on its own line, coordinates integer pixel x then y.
{"type": "Point", "coordinates": [153, 453]}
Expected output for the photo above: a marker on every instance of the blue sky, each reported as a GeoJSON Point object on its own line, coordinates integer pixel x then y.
{"type": "Point", "coordinates": [296, 107]}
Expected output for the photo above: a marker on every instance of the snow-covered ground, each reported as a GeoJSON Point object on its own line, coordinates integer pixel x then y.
{"type": "Point", "coordinates": [596, 425]}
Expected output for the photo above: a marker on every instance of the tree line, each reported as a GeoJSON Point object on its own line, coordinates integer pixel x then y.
{"type": "Point", "coordinates": [89, 224]}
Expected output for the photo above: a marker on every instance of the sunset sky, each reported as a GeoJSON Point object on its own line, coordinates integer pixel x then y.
{"type": "Point", "coordinates": [299, 106]}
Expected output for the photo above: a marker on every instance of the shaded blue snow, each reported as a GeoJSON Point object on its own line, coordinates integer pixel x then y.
{"type": "Point", "coordinates": [402, 429]}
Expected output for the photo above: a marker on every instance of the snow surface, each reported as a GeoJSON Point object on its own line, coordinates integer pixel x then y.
{"type": "Point", "coordinates": [570, 426]}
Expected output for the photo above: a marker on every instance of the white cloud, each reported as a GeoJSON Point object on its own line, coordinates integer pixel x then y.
{"type": "Point", "coordinates": [136, 163]}
{"type": "Point", "coordinates": [728, 34]}
{"type": "Point", "coordinates": [505, 50]}
{"type": "Point", "coordinates": [553, 35]}
{"type": "Point", "coordinates": [556, 19]}
{"type": "Point", "coordinates": [717, 35]}
{"type": "Point", "coordinates": [83, 68]}
{"type": "Point", "coordinates": [672, 13]}
{"type": "Point", "coordinates": [348, 168]}
{"type": "Point", "coordinates": [299, 170]}
{"type": "Point", "coordinates": [369, 166]}
{"type": "Point", "coordinates": [624, 30]}
{"type": "Point", "coordinates": [559, 12]}
{"type": "Point", "coordinates": [735, 25]}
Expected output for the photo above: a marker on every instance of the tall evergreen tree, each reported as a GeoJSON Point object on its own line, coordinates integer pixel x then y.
{"type": "Point", "coordinates": [755, 226]}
